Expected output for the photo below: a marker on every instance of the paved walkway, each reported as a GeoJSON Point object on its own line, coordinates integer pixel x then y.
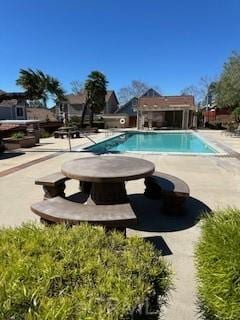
{"type": "Point", "coordinates": [214, 182]}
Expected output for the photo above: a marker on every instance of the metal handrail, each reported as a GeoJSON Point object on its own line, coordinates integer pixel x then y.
{"type": "Point", "coordinates": [90, 139]}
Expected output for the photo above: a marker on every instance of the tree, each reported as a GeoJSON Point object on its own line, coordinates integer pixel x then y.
{"type": "Point", "coordinates": [40, 86]}
{"type": "Point", "coordinates": [192, 90]}
{"type": "Point", "coordinates": [228, 87]}
{"type": "Point", "coordinates": [96, 90]}
{"type": "Point", "coordinates": [236, 113]}
{"type": "Point", "coordinates": [135, 89]}
{"type": "Point", "coordinates": [210, 95]}
{"type": "Point", "coordinates": [200, 91]}
{"type": "Point", "coordinates": [77, 87]}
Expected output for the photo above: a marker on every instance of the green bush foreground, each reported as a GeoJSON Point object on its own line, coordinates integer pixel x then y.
{"type": "Point", "coordinates": [218, 265]}
{"type": "Point", "coordinates": [76, 273]}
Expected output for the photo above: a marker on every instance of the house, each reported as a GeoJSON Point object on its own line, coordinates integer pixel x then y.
{"type": "Point", "coordinates": [165, 111]}
{"type": "Point", "coordinates": [154, 110]}
{"type": "Point", "coordinates": [74, 105]}
{"type": "Point", "coordinates": [130, 108]}
{"type": "Point", "coordinates": [12, 106]}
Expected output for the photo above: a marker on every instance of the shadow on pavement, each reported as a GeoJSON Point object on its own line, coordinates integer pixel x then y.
{"type": "Point", "coordinates": [160, 244]}
{"type": "Point", "coordinates": [152, 218]}
{"type": "Point", "coordinates": [9, 155]}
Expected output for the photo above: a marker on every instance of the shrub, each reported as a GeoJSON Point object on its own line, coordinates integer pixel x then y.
{"type": "Point", "coordinates": [76, 273]}
{"type": "Point", "coordinates": [45, 134]}
{"type": "Point", "coordinates": [218, 265]}
{"type": "Point", "coordinates": [18, 135]}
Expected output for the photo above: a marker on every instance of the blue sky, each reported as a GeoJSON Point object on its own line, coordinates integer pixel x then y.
{"type": "Point", "coordinates": [169, 43]}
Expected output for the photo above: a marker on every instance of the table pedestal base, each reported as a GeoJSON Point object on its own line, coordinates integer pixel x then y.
{"type": "Point", "coordinates": [109, 193]}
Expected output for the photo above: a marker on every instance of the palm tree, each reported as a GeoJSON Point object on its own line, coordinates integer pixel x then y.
{"type": "Point", "coordinates": [54, 88]}
{"type": "Point", "coordinates": [40, 85]}
{"type": "Point", "coordinates": [30, 81]}
{"type": "Point", "coordinates": [96, 90]}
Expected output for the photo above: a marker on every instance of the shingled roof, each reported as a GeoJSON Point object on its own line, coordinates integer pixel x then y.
{"type": "Point", "coordinates": [6, 96]}
{"type": "Point", "coordinates": [81, 97]}
{"type": "Point", "coordinates": [41, 114]}
{"type": "Point", "coordinates": [167, 101]}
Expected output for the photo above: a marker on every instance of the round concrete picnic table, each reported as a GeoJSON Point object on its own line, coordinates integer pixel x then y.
{"type": "Point", "coordinates": [108, 175]}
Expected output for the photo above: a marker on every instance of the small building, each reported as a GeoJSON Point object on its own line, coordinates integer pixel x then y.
{"type": "Point", "coordinates": [165, 111]}
{"type": "Point", "coordinates": [12, 106]}
{"type": "Point", "coordinates": [130, 109]}
{"type": "Point", "coordinates": [74, 105]}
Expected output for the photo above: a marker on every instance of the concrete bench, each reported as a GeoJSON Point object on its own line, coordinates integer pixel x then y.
{"type": "Point", "coordinates": [53, 185]}
{"type": "Point", "coordinates": [60, 210]}
{"type": "Point", "coordinates": [171, 189]}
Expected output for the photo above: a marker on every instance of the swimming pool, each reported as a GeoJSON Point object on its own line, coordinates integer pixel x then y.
{"type": "Point", "coordinates": [187, 143]}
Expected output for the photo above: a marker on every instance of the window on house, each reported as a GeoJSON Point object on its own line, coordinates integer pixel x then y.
{"type": "Point", "coordinates": [134, 102]}
{"type": "Point", "coordinates": [19, 112]}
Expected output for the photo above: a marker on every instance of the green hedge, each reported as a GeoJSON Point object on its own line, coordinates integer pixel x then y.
{"type": "Point", "coordinates": [76, 273]}
{"type": "Point", "coordinates": [218, 265]}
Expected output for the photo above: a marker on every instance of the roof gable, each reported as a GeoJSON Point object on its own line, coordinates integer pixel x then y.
{"type": "Point", "coordinates": [129, 107]}
{"type": "Point", "coordinates": [109, 94]}
{"type": "Point", "coordinates": [151, 93]}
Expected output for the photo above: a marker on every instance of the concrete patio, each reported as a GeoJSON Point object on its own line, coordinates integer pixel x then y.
{"type": "Point", "coordinates": [214, 182]}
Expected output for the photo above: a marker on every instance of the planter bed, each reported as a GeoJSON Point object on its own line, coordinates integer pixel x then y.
{"type": "Point", "coordinates": [26, 142]}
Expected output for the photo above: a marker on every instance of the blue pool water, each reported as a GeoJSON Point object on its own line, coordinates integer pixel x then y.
{"type": "Point", "coordinates": [153, 142]}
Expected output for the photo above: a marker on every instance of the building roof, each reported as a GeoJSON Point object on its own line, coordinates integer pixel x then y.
{"type": "Point", "coordinates": [129, 107]}
{"type": "Point", "coordinates": [81, 97]}
{"type": "Point", "coordinates": [167, 101]}
{"type": "Point", "coordinates": [13, 95]}
{"type": "Point", "coordinates": [109, 94]}
{"type": "Point", "coordinates": [8, 103]}
{"type": "Point", "coordinates": [41, 114]}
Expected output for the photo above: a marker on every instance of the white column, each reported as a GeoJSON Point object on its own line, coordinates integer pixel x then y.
{"type": "Point", "coordinates": [183, 119]}
{"type": "Point", "coordinates": [150, 116]}
{"type": "Point", "coordinates": [187, 119]}
{"type": "Point", "coordinates": [140, 120]}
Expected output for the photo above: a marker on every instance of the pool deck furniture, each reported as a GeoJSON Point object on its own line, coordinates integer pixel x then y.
{"type": "Point", "coordinates": [103, 177]}
{"type": "Point", "coordinates": [108, 175]}
{"type": "Point", "coordinates": [60, 210]}
{"type": "Point", "coordinates": [53, 185]}
{"type": "Point", "coordinates": [171, 189]}
{"type": "Point", "coordinates": [68, 132]}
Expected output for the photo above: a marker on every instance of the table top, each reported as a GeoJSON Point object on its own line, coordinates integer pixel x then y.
{"type": "Point", "coordinates": [66, 128]}
{"type": "Point", "coordinates": [107, 169]}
